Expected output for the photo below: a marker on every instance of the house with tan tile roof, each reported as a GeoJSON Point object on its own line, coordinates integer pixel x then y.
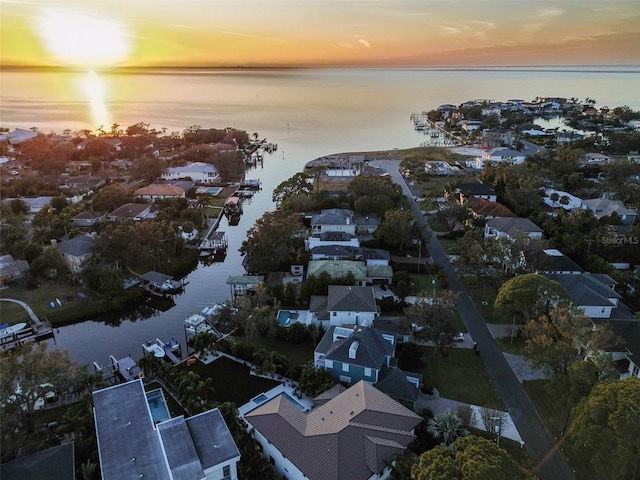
{"type": "Point", "coordinates": [352, 436]}
{"type": "Point", "coordinates": [160, 190]}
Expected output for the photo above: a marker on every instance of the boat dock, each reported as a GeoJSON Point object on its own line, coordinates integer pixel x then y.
{"type": "Point", "coordinates": [167, 351]}
{"type": "Point", "coordinates": [36, 330]}
{"type": "Point", "coordinates": [125, 369]}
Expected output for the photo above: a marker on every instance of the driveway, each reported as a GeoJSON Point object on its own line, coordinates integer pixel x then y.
{"type": "Point", "coordinates": [549, 464]}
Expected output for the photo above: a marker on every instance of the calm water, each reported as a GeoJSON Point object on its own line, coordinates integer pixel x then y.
{"type": "Point", "coordinates": [308, 113]}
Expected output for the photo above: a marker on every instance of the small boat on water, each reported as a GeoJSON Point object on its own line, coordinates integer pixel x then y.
{"type": "Point", "coordinates": [169, 351]}
{"type": "Point", "coordinates": [7, 330]}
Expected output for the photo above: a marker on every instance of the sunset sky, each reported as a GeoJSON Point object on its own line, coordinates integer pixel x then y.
{"type": "Point", "coordinates": [278, 33]}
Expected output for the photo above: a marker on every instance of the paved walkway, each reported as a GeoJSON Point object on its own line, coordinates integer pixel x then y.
{"type": "Point", "coordinates": [549, 464]}
{"type": "Point", "coordinates": [31, 313]}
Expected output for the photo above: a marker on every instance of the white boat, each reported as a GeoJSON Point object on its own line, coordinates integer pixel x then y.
{"type": "Point", "coordinates": [159, 348]}
{"type": "Point", "coordinates": [197, 323]}
{"type": "Point", "coordinates": [7, 330]}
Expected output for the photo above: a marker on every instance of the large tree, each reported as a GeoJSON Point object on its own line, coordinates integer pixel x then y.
{"type": "Point", "coordinates": [433, 318]}
{"type": "Point", "coordinates": [299, 184]}
{"type": "Point", "coordinates": [530, 296]}
{"type": "Point", "coordinates": [271, 241]}
{"type": "Point", "coordinates": [562, 337]}
{"type": "Point", "coordinates": [396, 229]}
{"type": "Point", "coordinates": [470, 457]}
{"type": "Point", "coordinates": [606, 429]}
{"type": "Point", "coordinates": [29, 373]}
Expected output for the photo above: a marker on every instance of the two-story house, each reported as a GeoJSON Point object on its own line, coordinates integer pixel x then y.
{"type": "Point", "coordinates": [350, 305]}
{"type": "Point", "coordinates": [593, 293]}
{"type": "Point", "coordinates": [134, 443]}
{"type": "Point", "coordinates": [354, 434]}
{"type": "Point", "coordinates": [603, 207]}
{"type": "Point", "coordinates": [198, 171]}
{"type": "Point", "coordinates": [354, 354]}
{"type": "Point", "coordinates": [76, 251]}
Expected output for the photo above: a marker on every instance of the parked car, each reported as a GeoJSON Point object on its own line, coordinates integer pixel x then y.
{"type": "Point", "coordinates": [459, 337]}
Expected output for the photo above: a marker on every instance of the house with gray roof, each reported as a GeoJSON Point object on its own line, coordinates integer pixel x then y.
{"type": "Point", "coordinates": [344, 305]}
{"type": "Point", "coordinates": [132, 445]}
{"type": "Point", "coordinates": [343, 239]}
{"type": "Point", "coordinates": [551, 260]}
{"type": "Point", "coordinates": [198, 171]}
{"type": "Point", "coordinates": [55, 463]}
{"type": "Point", "coordinates": [88, 218]}
{"type": "Point", "coordinates": [76, 251]}
{"type": "Point", "coordinates": [351, 354]}
{"type": "Point", "coordinates": [353, 436]}
{"type": "Point", "coordinates": [626, 354]}
{"type": "Point", "coordinates": [511, 227]}
{"type": "Point", "coordinates": [11, 269]}
{"type": "Point", "coordinates": [131, 211]}
{"type": "Point", "coordinates": [603, 207]}
{"type": "Point", "coordinates": [591, 292]}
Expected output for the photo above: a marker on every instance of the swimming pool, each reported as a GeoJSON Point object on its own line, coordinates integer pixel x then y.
{"type": "Point", "coordinates": [212, 190]}
{"type": "Point", "coordinates": [158, 406]}
{"type": "Point", "coordinates": [294, 401]}
{"type": "Point", "coordinates": [287, 317]}
{"type": "Point", "coordinates": [260, 399]}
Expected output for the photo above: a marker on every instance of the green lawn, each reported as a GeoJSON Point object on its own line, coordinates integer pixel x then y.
{"type": "Point", "coordinates": [39, 300]}
{"type": "Point", "coordinates": [298, 353]}
{"type": "Point", "coordinates": [232, 381]}
{"type": "Point", "coordinates": [461, 376]}
{"type": "Point", "coordinates": [484, 295]}
{"type": "Point", "coordinates": [516, 347]}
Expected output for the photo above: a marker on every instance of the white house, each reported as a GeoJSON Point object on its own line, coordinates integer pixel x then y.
{"type": "Point", "coordinates": [198, 171]}
{"type": "Point", "coordinates": [354, 435]}
{"type": "Point", "coordinates": [138, 441]}
{"type": "Point", "coordinates": [593, 293]}
{"type": "Point", "coordinates": [344, 305]}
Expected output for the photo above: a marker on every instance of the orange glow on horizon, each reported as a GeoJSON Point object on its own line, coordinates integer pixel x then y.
{"type": "Point", "coordinates": [307, 33]}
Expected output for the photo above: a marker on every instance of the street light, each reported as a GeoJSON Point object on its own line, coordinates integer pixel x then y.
{"type": "Point", "coordinates": [498, 428]}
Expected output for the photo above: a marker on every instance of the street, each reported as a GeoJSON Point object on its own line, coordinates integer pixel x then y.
{"type": "Point", "coordinates": [549, 464]}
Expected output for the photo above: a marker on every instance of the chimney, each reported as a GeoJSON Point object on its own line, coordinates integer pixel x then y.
{"type": "Point", "coordinates": [353, 349]}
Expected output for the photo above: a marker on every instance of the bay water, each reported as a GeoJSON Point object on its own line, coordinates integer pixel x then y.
{"type": "Point", "coordinates": [308, 113]}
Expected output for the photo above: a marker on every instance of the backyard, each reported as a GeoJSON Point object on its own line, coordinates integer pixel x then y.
{"type": "Point", "coordinates": [461, 376]}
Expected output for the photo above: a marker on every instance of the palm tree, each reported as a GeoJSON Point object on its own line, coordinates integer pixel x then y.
{"type": "Point", "coordinates": [446, 426]}
{"type": "Point", "coordinates": [204, 343]}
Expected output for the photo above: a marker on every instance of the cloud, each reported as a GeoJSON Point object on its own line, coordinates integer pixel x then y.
{"type": "Point", "coordinates": [362, 41]}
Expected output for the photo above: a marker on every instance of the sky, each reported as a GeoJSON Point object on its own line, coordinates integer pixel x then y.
{"type": "Point", "coordinates": [318, 33]}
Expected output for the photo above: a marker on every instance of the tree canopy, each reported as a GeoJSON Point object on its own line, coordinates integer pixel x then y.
{"type": "Point", "coordinates": [556, 340]}
{"type": "Point", "coordinates": [606, 429]}
{"type": "Point", "coordinates": [299, 184]}
{"type": "Point", "coordinates": [434, 318]}
{"type": "Point", "coordinates": [271, 241]}
{"type": "Point", "coordinates": [530, 295]}
{"type": "Point", "coordinates": [471, 458]}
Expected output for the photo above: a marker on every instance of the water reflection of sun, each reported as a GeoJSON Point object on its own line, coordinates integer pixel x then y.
{"type": "Point", "coordinates": [83, 40]}
{"type": "Point", "coordinates": [94, 89]}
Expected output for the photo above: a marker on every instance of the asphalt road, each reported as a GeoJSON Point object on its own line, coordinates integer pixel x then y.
{"type": "Point", "coordinates": [548, 461]}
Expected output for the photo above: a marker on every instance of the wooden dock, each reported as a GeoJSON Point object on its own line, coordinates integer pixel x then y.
{"type": "Point", "coordinates": [37, 330]}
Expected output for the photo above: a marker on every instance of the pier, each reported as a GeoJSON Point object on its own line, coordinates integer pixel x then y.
{"type": "Point", "coordinates": [436, 132]}
{"type": "Point", "coordinates": [38, 329]}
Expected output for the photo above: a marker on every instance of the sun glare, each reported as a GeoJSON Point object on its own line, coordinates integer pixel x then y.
{"type": "Point", "coordinates": [94, 90]}
{"type": "Point", "coordinates": [83, 40]}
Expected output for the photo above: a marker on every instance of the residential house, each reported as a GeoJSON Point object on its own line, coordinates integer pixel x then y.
{"type": "Point", "coordinates": [482, 208]}
{"type": "Point", "coordinates": [476, 190]}
{"type": "Point", "coordinates": [160, 190]}
{"type": "Point", "coordinates": [332, 238]}
{"type": "Point", "coordinates": [11, 270]}
{"type": "Point", "coordinates": [402, 386]}
{"type": "Point", "coordinates": [511, 227]}
{"type": "Point", "coordinates": [565, 200]}
{"type": "Point", "coordinates": [34, 204]}
{"type": "Point", "coordinates": [76, 251]}
{"type": "Point", "coordinates": [592, 293]}
{"type": "Point", "coordinates": [344, 305]}
{"type": "Point", "coordinates": [18, 136]}
{"type": "Point", "coordinates": [333, 220]}
{"type": "Point", "coordinates": [132, 444]}
{"type": "Point", "coordinates": [88, 219]}
{"type": "Point", "coordinates": [504, 155]}
{"type": "Point", "coordinates": [494, 138]}
{"type": "Point", "coordinates": [550, 260]}
{"type": "Point", "coordinates": [626, 355]}
{"type": "Point", "coordinates": [131, 211]}
{"type": "Point", "coordinates": [55, 463]}
{"type": "Point", "coordinates": [595, 159]}
{"type": "Point", "coordinates": [355, 435]}
{"type": "Point", "coordinates": [339, 269]}
{"type": "Point", "coordinates": [198, 171]}
{"type": "Point", "coordinates": [371, 256]}
{"type": "Point", "coordinates": [354, 354]}
{"type": "Point", "coordinates": [470, 126]}
{"type": "Point", "coordinates": [603, 207]}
